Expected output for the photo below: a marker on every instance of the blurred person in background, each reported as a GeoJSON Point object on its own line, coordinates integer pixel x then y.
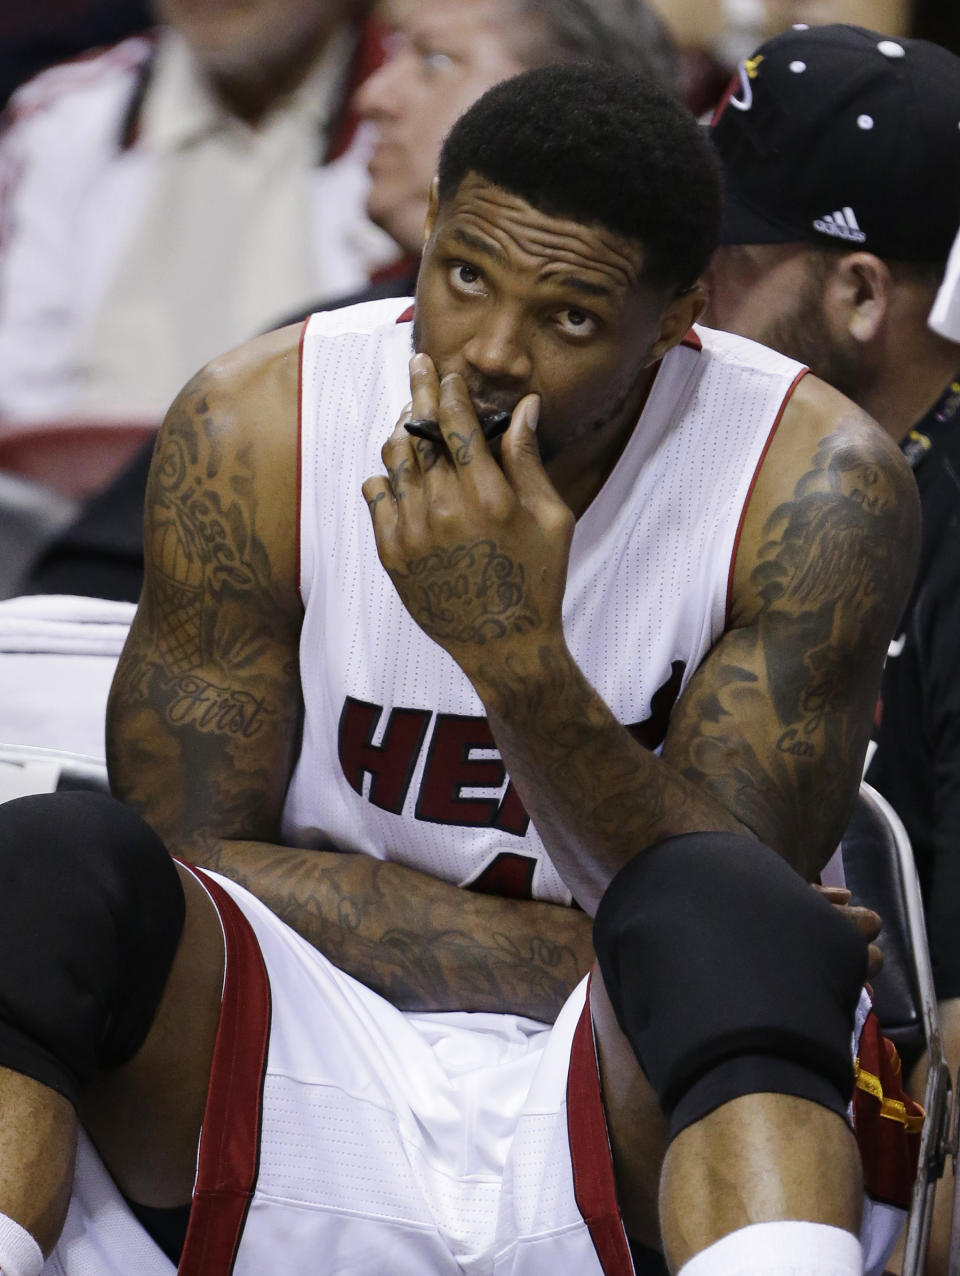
{"type": "Point", "coordinates": [35, 36]}
{"type": "Point", "coordinates": [443, 56]}
{"type": "Point", "coordinates": [447, 52]}
{"type": "Point", "coordinates": [169, 197]}
{"type": "Point", "coordinates": [841, 157]}
{"type": "Point", "coordinates": [711, 37]}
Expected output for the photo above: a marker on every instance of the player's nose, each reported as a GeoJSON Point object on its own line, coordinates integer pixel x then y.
{"type": "Point", "coordinates": [499, 352]}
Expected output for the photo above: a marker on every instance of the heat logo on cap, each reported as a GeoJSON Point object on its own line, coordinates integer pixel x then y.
{"type": "Point", "coordinates": [841, 225]}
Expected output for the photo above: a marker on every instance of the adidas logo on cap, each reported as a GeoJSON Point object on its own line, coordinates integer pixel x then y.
{"type": "Point", "coordinates": [842, 225]}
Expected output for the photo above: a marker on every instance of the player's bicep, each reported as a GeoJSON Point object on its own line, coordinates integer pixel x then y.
{"type": "Point", "coordinates": [776, 721]}
{"type": "Point", "coordinates": [204, 709]}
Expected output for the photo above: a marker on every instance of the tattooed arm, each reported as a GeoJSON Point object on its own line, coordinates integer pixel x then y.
{"type": "Point", "coordinates": [204, 717]}
{"type": "Point", "coordinates": [768, 737]}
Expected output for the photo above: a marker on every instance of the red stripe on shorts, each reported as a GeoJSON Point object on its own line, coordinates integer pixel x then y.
{"type": "Point", "coordinates": [593, 1182]}
{"type": "Point", "coordinates": [230, 1137]}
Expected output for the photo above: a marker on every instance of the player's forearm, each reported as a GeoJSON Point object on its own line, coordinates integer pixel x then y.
{"type": "Point", "coordinates": [596, 796]}
{"type": "Point", "coordinates": [422, 943]}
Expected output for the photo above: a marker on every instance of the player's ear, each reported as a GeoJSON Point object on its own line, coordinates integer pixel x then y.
{"type": "Point", "coordinates": [678, 318]}
{"type": "Point", "coordinates": [433, 200]}
{"type": "Point", "coordinates": [857, 295]}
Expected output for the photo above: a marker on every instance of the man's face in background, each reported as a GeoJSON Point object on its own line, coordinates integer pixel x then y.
{"type": "Point", "coordinates": [236, 39]}
{"type": "Point", "coordinates": [446, 54]}
{"type": "Point", "coordinates": [774, 294]}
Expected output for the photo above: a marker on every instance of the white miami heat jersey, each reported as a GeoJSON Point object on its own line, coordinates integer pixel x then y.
{"type": "Point", "coordinates": [397, 758]}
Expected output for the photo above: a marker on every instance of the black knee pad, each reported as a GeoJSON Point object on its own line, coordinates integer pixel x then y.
{"type": "Point", "coordinates": [729, 976]}
{"type": "Point", "coordinates": [91, 912]}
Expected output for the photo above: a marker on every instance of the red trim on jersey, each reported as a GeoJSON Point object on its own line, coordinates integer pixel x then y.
{"type": "Point", "coordinates": [229, 1155]}
{"type": "Point", "coordinates": [303, 337]}
{"type": "Point", "coordinates": [753, 482]}
{"type": "Point", "coordinates": [593, 1182]}
{"type": "Point", "coordinates": [692, 341]}
{"type": "Point", "coordinates": [407, 316]}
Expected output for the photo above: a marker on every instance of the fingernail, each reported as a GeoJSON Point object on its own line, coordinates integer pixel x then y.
{"type": "Point", "coordinates": [531, 412]}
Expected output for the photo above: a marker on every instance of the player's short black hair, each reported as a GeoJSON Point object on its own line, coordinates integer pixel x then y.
{"type": "Point", "coordinates": [602, 146]}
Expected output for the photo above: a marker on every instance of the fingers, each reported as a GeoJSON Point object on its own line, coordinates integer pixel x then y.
{"type": "Point", "coordinates": [867, 922]}
{"type": "Point", "coordinates": [832, 894]}
{"type": "Point", "coordinates": [400, 460]}
{"type": "Point", "coordinates": [459, 425]}
{"type": "Point", "coordinates": [425, 393]}
{"type": "Point", "coordinates": [520, 450]}
{"type": "Point", "coordinates": [424, 387]}
{"type": "Point", "coordinates": [400, 490]}
{"type": "Point", "coordinates": [520, 455]}
{"type": "Point", "coordinates": [383, 511]}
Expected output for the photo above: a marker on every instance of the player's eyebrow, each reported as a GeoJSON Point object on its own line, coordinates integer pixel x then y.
{"type": "Point", "coordinates": [574, 282]}
{"type": "Point", "coordinates": [479, 244]}
{"type": "Point", "coordinates": [577, 284]}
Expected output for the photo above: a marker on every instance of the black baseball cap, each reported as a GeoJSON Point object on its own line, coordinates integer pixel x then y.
{"type": "Point", "coordinates": [840, 135]}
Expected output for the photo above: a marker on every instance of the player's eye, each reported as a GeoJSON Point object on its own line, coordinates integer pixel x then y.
{"type": "Point", "coordinates": [576, 323]}
{"type": "Point", "coordinates": [465, 278]}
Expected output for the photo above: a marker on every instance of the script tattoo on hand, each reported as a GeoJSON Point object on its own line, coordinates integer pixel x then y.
{"type": "Point", "coordinates": [468, 594]}
{"type": "Point", "coordinates": [461, 447]}
{"type": "Point", "coordinates": [398, 476]}
{"type": "Point", "coordinates": [429, 453]}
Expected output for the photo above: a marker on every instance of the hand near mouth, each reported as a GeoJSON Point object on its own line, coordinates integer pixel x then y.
{"type": "Point", "coordinates": [476, 545]}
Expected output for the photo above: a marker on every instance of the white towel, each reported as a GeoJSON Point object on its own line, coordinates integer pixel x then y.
{"type": "Point", "coordinates": [945, 315]}
{"type": "Point", "coordinates": [63, 624]}
{"type": "Point", "coordinates": [57, 658]}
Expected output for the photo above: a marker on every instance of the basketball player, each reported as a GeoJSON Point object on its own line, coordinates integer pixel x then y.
{"type": "Point", "coordinates": [641, 561]}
